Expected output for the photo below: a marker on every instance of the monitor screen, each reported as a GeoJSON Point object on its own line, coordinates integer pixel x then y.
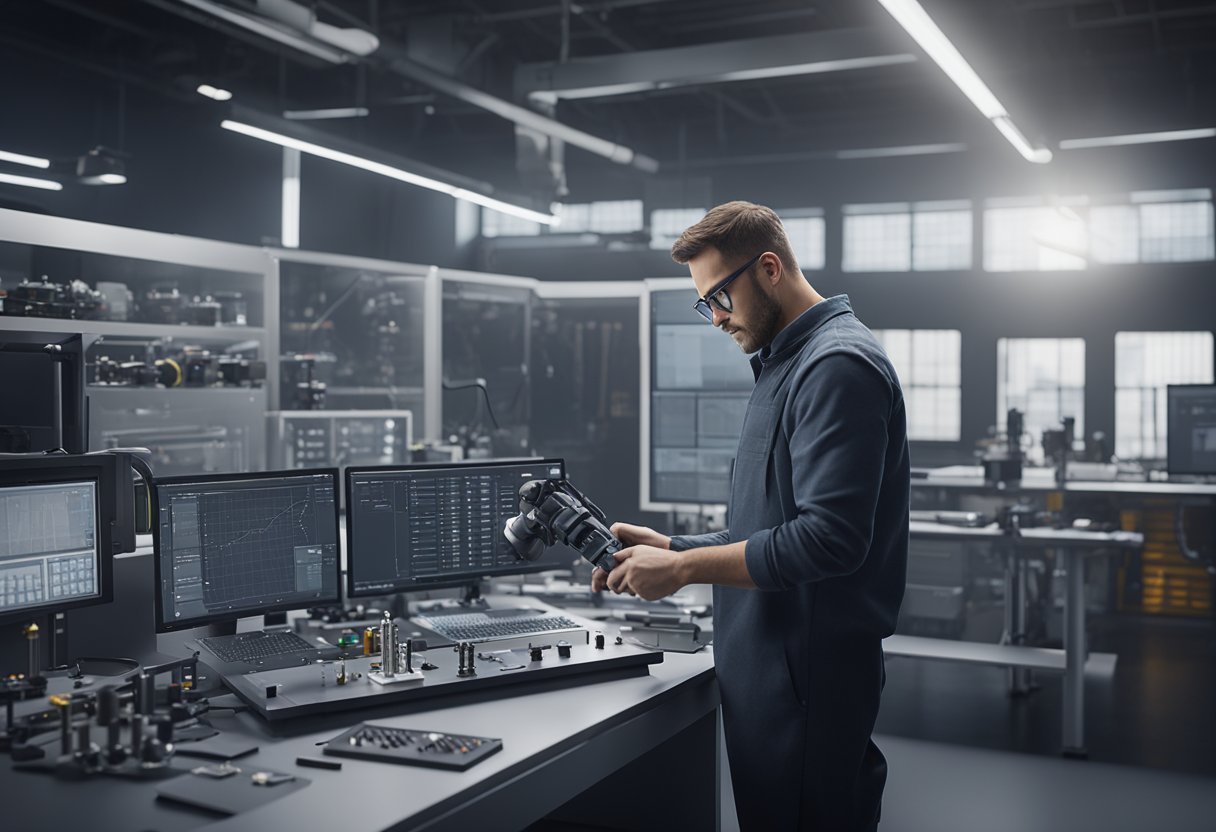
{"type": "Point", "coordinates": [50, 547]}
{"type": "Point", "coordinates": [1191, 429]}
{"type": "Point", "coordinates": [700, 384]}
{"type": "Point", "coordinates": [431, 526]}
{"type": "Point", "coordinates": [236, 545]}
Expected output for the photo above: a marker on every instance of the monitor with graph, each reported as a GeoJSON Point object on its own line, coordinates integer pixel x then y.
{"type": "Point", "coordinates": [429, 526]}
{"type": "Point", "coordinates": [235, 545]}
{"type": "Point", "coordinates": [51, 553]}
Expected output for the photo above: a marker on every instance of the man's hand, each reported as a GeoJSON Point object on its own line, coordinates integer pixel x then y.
{"type": "Point", "coordinates": [645, 571]}
{"type": "Point", "coordinates": [640, 536]}
{"type": "Point", "coordinates": [630, 535]}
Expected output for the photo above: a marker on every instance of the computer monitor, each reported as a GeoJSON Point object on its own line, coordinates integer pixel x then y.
{"type": "Point", "coordinates": [431, 526]}
{"type": "Point", "coordinates": [233, 545]}
{"type": "Point", "coordinates": [1191, 429]}
{"type": "Point", "coordinates": [54, 540]}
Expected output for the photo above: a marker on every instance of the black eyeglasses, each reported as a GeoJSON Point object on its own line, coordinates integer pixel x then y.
{"type": "Point", "coordinates": [719, 296]}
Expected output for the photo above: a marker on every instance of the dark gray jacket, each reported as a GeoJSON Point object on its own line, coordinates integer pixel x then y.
{"type": "Point", "coordinates": [820, 493]}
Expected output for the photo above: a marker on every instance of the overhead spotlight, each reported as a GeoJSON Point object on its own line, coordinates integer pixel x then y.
{"type": "Point", "coordinates": [101, 166]}
{"type": "Point", "coordinates": [214, 92]}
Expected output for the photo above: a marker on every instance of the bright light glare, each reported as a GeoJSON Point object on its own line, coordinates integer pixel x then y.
{"type": "Point", "coordinates": [918, 24]}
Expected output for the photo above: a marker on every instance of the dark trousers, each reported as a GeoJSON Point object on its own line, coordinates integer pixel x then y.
{"type": "Point", "coordinates": [800, 747]}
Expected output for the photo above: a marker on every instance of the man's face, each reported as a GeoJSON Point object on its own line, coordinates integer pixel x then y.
{"type": "Point", "coordinates": [753, 321]}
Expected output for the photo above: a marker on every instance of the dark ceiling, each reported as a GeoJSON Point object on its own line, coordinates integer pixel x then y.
{"type": "Point", "coordinates": [1064, 69]}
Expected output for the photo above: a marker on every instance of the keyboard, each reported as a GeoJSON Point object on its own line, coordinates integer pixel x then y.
{"type": "Point", "coordinates": [257, 646]}
{"type": "Point", "coordinates": [477, 626]}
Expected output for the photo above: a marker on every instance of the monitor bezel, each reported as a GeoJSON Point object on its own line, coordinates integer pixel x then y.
{"type": "Point", "coordinates": [97, 471]}
{"type": "Point", "coordinates": [163, 626]}
{"type": "Point", "coordinates": [524, 567]}
{"type": "Point", "coordinates": [1169, 459]}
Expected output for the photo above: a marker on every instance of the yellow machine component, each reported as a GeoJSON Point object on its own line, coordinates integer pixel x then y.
{"type": "Point", "coordinates": [1173, 585]}
{"type": "Point", "coordinates": [177, 368]}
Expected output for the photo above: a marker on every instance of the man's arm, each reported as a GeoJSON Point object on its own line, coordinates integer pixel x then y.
{"type": "Point", "coordinates": [838, 449]}
{"type": "Point", "coordinates": [652, 573]}
{"type": "Point", "coordinates": [683, 542]}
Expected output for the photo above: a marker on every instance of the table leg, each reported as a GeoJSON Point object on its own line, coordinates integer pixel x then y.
{"type": "Point", "coordinates": [1075, 654]}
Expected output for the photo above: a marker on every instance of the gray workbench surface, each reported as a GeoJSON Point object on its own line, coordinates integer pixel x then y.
{"type": "Point", "coordinates": [972, 478]}
{"type": "Point", "coordinates": [556, 743]}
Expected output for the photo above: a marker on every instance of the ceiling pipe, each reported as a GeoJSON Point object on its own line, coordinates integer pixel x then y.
{"type": "Point", "coordinates": [522, 116]}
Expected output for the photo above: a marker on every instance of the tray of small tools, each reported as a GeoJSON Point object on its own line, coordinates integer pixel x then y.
{"type": "Point", "coordinates": [407, 746]}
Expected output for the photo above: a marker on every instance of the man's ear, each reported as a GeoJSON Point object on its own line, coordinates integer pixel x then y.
{"type": "Point", "coordinates": [773, 270]}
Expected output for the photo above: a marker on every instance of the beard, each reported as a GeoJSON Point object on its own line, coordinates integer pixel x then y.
{"type": "Point", "coordinates": [764, 326]}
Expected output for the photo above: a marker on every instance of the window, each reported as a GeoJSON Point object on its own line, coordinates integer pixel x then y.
{"type": "Point", "coordinates": [806, 236]}
{"type": "Point", "coordinates": [606, 217]}
{"type": "Point", "coordinates": [667, 224]}
{"type": "Point", "coordinates": [1021, 236]}
{"type": "Point", "coordinates": [928, 362]}
{"type": "Point", "coordinates": [498, 224]}
{"type": "Point", "coordinates": [941, 237]}
{"type": "Point", "coordinates": [1145, 227]}
{"type": "Point", "coordinates": [876, 239]}
{"type": "Point", "coordinates": [900, 237]}
{"type": "Point", "coordinates": [1045, 379]}
{"type": "Point", "coordinates": [1175, 231]}
{"type": "Point", "coordinates": [1145, 362]}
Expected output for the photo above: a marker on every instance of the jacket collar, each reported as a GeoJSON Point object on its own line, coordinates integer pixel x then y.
{"type": "Point", "coordinates": [795, 334]}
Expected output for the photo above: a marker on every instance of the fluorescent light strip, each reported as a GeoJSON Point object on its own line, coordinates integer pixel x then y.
{"type": "Point", "coordinates": [268, 29]}
{"type": "Point", "coordinates": [31, 182]}
{"type": "Point", "coordinates": [1139, 138]}
{"type": "Point", "coordinates": [290, 234]}
{"type": "Point", "coordinates": [22, 159]}
{"type": "Point", "coordinates": [918, 24]}
{"type": "Point", "coordinates": [214, 92]}
{"type": "Point", "coordinates": [906, 150]}
{"type": "Point", "coordinates": [333, 112]}
{"type": "Point", "coordinates": [389, 171]}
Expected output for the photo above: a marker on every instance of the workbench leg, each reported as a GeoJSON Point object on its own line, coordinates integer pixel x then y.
{"type": "Point", "coordinates": [1020, 682]}
{"type": "Point", "coordinates": [1075, 654]}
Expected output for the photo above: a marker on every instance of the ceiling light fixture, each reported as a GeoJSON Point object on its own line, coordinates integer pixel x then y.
{"type": "Point", "coordinates": [30, 182]}
{"type": "Point", "coordinates": [214, 92]}
{"type": "Point", "coordinates": [22, 159]}
{"type": "Point", "coordinates": [904, 150]}
{"type": "Point", "coordinates": [389, 171]}
{"type": "Point", "coordinates": [1139, 138]}
{"type": "Point", "coordinates": [918, 24]}
{"type": "Point", "coordinates": [269, 29]}
{"type": "Point", "coordinates": [320, 115]}
{"type": "Point", "coordinates": [101, 166]}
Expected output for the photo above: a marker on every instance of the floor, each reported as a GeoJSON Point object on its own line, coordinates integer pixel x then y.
{"type": "Point", "coordinates": [950, 788]}
{"type": "Point", "coordinates": [1159, 711]}
{"type": "Point", "coordinates": [964, 756]}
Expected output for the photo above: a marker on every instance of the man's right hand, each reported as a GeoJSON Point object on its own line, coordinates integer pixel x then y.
{"type": "Point", "coordinates": [629, 535]}
{"type": "Point", "coordinates": [640, 536]}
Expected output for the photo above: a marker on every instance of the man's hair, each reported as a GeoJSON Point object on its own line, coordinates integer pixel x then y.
{"type": "Point", "coordinates": [739, 230]}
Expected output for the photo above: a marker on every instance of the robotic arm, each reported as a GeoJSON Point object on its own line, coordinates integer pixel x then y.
{"type": "Point", "coordinates": [554, 511]}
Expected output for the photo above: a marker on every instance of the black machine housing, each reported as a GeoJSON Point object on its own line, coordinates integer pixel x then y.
{"type": "Point", "coordinates": [554, 511]}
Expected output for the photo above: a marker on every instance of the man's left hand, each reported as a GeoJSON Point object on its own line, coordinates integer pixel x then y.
{"type": "Point", "coordinates": [647, 572]}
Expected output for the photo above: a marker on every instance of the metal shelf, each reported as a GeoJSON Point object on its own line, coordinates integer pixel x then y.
{"type": "Point", "coordinates": [132, 329]}
{"type": "Point", "coordinates": [227, 390]}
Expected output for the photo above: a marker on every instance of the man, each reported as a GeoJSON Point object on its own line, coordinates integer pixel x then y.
{"type": "Point", "coordinates": [810, 574]}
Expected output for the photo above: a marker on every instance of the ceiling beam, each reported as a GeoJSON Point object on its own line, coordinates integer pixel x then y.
{"type": "Point", "coordinates": [713, 63]}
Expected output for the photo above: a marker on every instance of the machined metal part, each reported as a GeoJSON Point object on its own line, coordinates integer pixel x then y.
{"type": "Point", "coordinates": [388, 646]}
